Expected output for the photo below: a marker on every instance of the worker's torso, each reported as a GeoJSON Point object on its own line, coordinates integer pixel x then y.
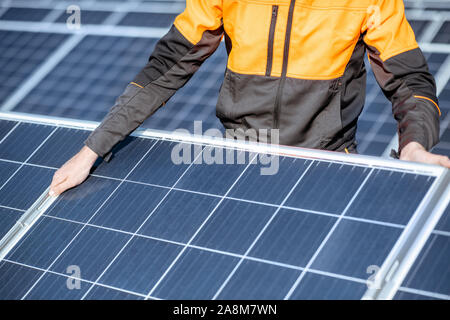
{"type": "Point", "coordinates": [296, 66]}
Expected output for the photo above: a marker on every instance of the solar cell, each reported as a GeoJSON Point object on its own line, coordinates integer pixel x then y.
{"type": "Point", "coordinates": [148, 19]}
{"type": "Point", "coordinates": [135, 231]}
{"type": "Point", "coordinates": [443, 35]}
{"type": "Point", "coordinates": [25, 14]}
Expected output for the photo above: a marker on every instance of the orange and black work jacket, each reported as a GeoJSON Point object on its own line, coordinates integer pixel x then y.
{"type": "Point", "coordinates": [294, 65]}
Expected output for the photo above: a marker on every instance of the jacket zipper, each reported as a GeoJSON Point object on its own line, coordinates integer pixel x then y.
{"type": "Point", "coordinates": [276, 111]}
{"type": "Point", "coordinates": [273, 24]}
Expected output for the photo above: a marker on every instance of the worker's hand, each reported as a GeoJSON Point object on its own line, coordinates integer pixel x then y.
{"type": "Point", "coordinates": [73, 172]}
{"type": "Point", "coordinates": [414, 151]}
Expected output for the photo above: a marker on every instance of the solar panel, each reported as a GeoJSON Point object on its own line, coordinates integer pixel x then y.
{"type": "Point", "coordinates": [88, 80]}
{"type": "Point", "coordinates": [144, 227]}
{"type": "Point", "coordinates": [20, 54]}
{"type": "Point", "coordinates": [148, 19]}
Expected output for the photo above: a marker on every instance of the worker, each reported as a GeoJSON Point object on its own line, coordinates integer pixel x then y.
{"type": "Point", "coordinates": [296, 66]}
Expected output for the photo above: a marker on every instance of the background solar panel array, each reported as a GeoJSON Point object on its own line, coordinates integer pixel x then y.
{"type": "Point", "coordinates": [86, 82]}
{"type": "Point", "coordinates": [250, 244]}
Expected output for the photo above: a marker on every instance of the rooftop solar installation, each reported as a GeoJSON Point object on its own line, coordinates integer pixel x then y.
{"type": "Point", "coordinates": [143, 227]}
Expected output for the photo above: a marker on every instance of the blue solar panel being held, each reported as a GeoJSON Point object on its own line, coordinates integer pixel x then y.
{"type": "Point", "coordinates": [143, 227]}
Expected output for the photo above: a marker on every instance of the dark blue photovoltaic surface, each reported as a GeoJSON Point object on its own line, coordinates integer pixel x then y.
{"type": "Point", "coordinates": [444, 222]}
{"type": "Point", "coordinates": [80, 203]}
{"type": "Point", "coordinates": [320, 287]}
{"type": "Point", "coordinates": [60, 147]}
{"type": "Point", "coordinates": [179, 216]}
{"type": "Point", "coordinates": [418, 26]}
{"type": "Point", "coordinates": [23, 189]}
{"type": "Point", "coordinates": [157, 166]}
{"type": "Point", "coordinates": [430, 272]}
{"type": "Point", "coordinates": [25, 14]}
{"type": "Point", "coordinates": [103, 293]}
{"type": "Point", "coordinates": [8, 218]}
{"type": "Point", "coordinates": [86, 83]}
{"type": "Point", "coordinates": [54, 287]}
{"type": "Point", "coordinates": [148, 19]}
{"type": "Point", "coordinates": [124, 157]}
{"type": "Point", "coordinates": [6, 170]}
{"type": "Point", "coordinates": [5, 128]}
{"type": "Point", "coordinates": [402, 295]}
{"type": "Point", "coordinates": [234, 226]}
{"type": "Point", "coordinates": [292, 237]}
{"type": "Point", "coordinates": [91, 251]}
{"type": "Point", "coordinates": [269, 188]}
{"type": "Point", "coordinates": [198, 274]}
{"type": "Point", "coordinates": [391, 196]}
{"type": "Point", "coordinates": [108, 253]}
{"type": "Point", "coordinates": [140, 265]}
{"type": "Point", "coordinates": [443, 35]}
{"type": "Point", "coordinates": [215, 178]}
{"type": "Point", "coordinates": [346, 250]}
{"type": "Point", "coordinates": [51, 235]}
{"type": "Point", "coordinates": [15, 280]}
{"type": "Point", "coordinates": [327, 187]}
{"type": "Point", "coordinates": [20, 54]}
{"type": "Point", "coordinates": [129, 215]}
{"type": "Point", "coordinates": [256, 280]}
{"type": "Point", "coordinates": [23, 141]}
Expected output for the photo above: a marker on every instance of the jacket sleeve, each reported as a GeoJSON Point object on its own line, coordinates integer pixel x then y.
{"type": "Point", "coordinates": [194, 36]}
{"type": "Point", "coordinates": [402, 73]}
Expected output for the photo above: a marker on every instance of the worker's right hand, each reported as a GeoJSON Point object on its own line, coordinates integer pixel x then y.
{"type": "Point", "coordinates": [73, 172]}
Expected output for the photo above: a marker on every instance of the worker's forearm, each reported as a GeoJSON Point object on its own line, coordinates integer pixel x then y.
{"type": "Point", "coordinates": [418, 121]}
{"type": "Point", "coordinates": [171, 65]}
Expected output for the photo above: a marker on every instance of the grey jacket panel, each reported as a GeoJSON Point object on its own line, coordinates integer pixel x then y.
{"type": "Point", "coordinates": [309, 115]}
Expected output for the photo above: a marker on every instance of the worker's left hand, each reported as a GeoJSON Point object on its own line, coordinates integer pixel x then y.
{"type": "Point", "coordinates": [414, 151]}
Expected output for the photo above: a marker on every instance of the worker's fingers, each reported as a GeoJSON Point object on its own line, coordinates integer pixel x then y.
{"type": "Point", "coordinates": [61, 187]}
{"type": "Point", "coordinates": [444, 161]}
{"type": "Point", "coordinates": [58, 177]}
